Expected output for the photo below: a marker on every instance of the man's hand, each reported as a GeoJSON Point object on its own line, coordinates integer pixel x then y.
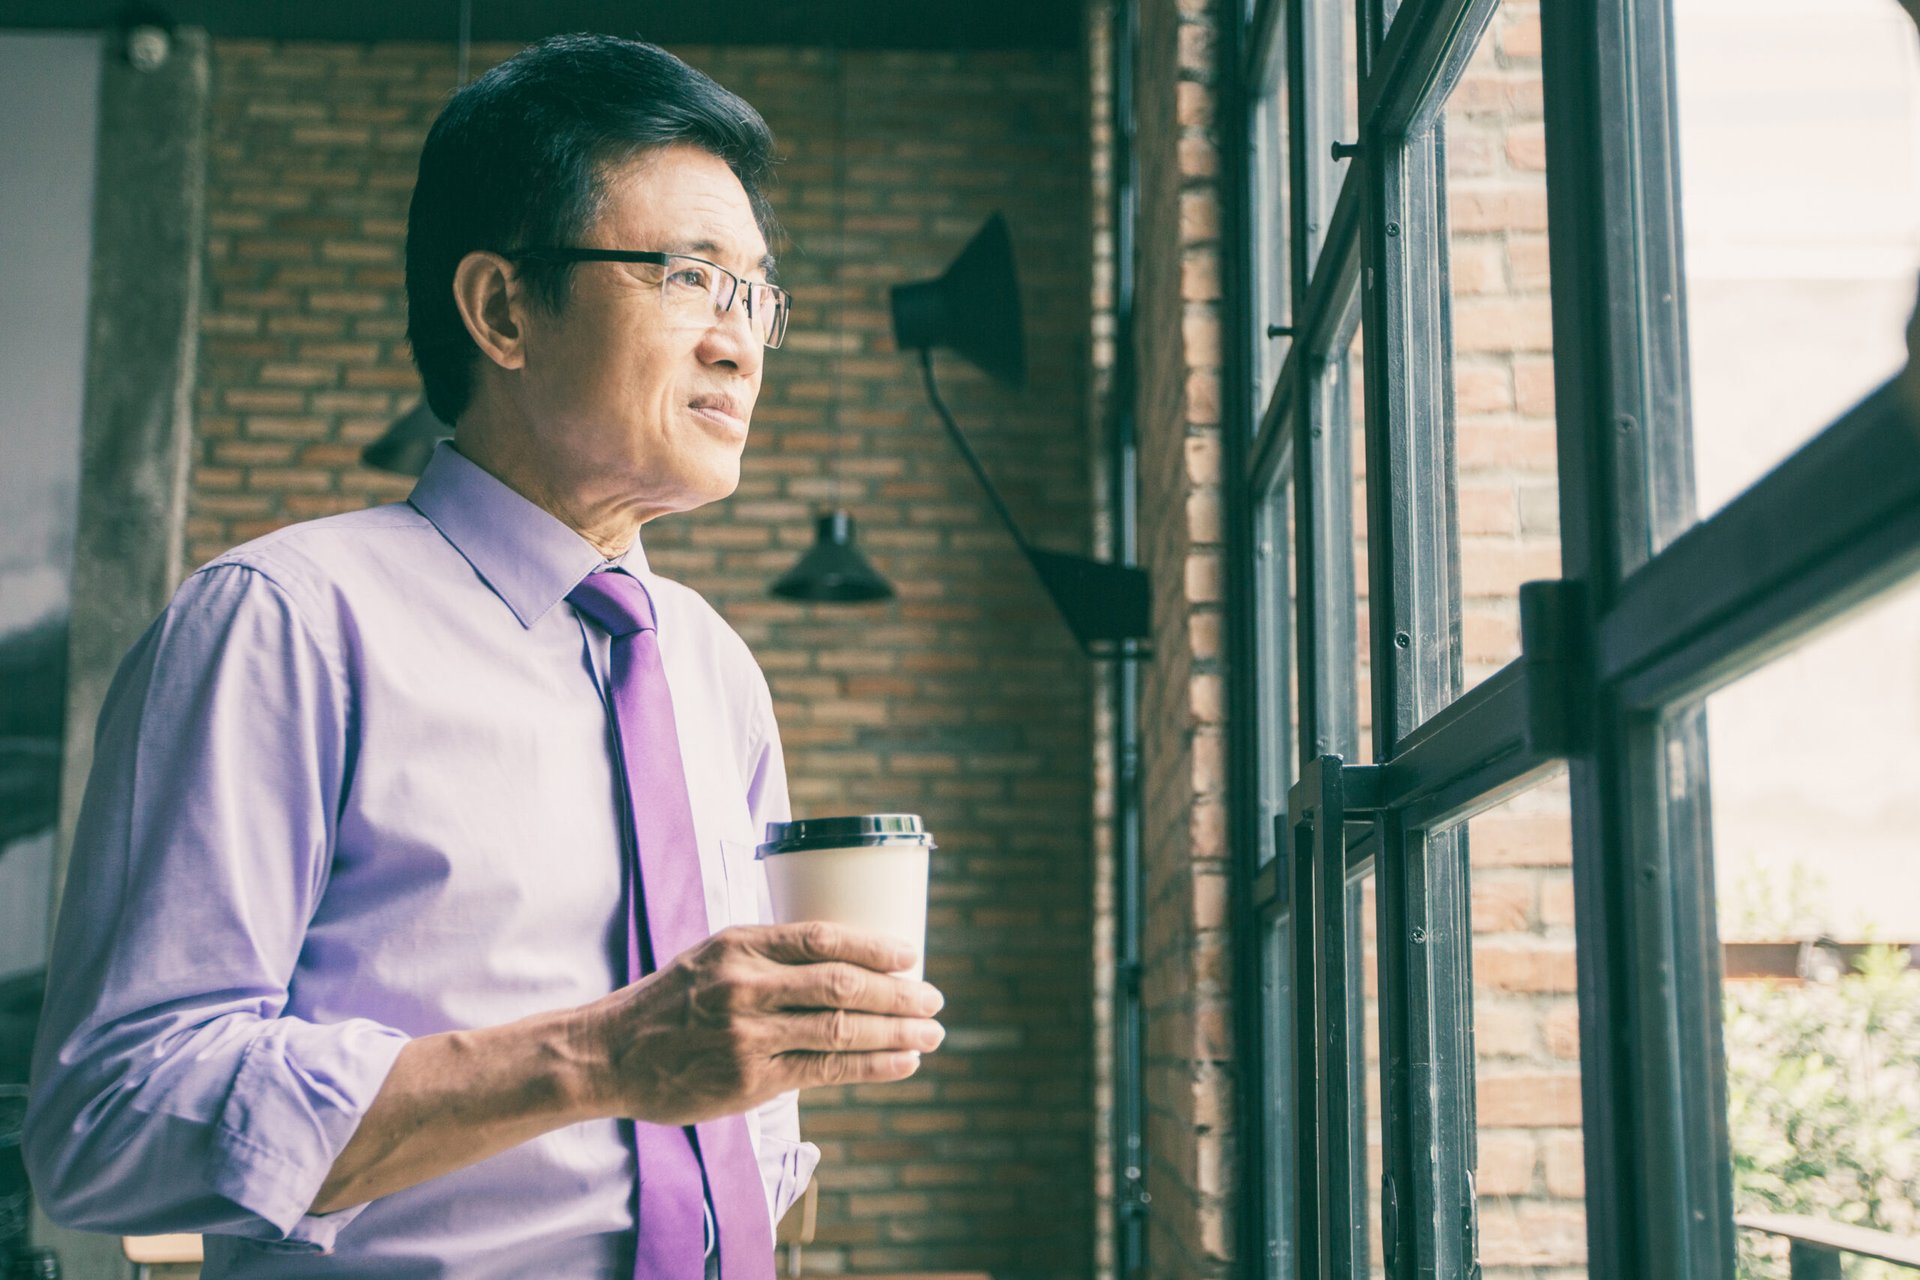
{"type": "Point", "coordinates": [756, 1011]}
{"type": "Point", "coordinates": [747, 1014]}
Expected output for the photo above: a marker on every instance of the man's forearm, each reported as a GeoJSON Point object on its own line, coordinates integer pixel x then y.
{"type": "Point", "coordinates": [456, 1098]}
{"type": "Point", "coordinates": [747, 1015]}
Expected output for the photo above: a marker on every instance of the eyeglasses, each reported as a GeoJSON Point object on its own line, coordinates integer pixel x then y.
{"type": "Point", "coordinates": [693, 291]}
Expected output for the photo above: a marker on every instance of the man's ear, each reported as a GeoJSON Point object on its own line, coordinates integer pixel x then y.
{"type": "Point", "coordinates": [492, 305]}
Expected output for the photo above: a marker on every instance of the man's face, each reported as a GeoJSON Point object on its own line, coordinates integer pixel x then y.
{"type": "Point", "coordinates": [635, 409]}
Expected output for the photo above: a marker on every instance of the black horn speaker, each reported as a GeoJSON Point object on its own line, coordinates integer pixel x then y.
{"type": "Point", "coordinates": [973, 309]}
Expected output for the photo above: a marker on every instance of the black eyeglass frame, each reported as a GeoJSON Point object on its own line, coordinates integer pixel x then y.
{"type": "Point", "coordinates": [783, 306]}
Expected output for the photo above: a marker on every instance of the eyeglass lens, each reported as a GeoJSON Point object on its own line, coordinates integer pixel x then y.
{"type": "Point", "coordinates": [696, 290]}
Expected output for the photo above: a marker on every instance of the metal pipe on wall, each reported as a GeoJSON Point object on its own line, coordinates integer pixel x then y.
{"type": "Point", "coordinates": [1129, 1023]}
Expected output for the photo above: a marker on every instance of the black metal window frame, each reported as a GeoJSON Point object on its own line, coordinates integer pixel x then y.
{"type": "Point", "coordinates": [1653, 611]}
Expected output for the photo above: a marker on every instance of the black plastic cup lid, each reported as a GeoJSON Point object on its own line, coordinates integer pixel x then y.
{"type": "Point", "coordinates": [840, 833]}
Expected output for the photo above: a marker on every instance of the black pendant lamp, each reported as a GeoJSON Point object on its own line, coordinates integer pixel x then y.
{"type": "Point", "coordinates": [834, 571]}
{"type": "Point", "coordinates": [974, 309]}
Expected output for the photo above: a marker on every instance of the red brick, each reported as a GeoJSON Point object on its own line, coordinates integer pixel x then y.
{"type": "Point", "coordinates": [1562, 1025]}
{"type": "Point", "coordinates": [1514, 208]}
{"type": "Point", "coordinates": [1482, 388]}
{"type": "Point", "coordinates": [253, 452]}
{"type": "Point", "coordinates": [1486, 447]}
{"type": "Point", "coordinates": [1566, 1166]}
{"type": "Point", "coordinates": [1490, 639]}
{"type": "Point", "coordinates": [1502, 326]}
{"type": "Point", "coordinates": [1493, 571]}
{"type": "Point", "coordinates": [1502, 905]}
{"type": "Point", "coordinates": [1502, 1029]}
{"type": "Point", "coordinates": [1487, 509]}
{"type": "Point", "coordinates": [1556, 902]}
{"type": "Point", "coordinates": [1475, 267]}
{"type": "Point", "coordinates": [1520, 37]}
{"type": "Point", "coordinates": [1533, 387]}
{"type": "Point", "coordinates": [1529, 968]}
{"type": "Point", "coordinates": [1527, 263]}
{"type": "Point", "coordinates": [1507, 1164]}
{"type": "Point", "coordinates": [1532, 1235]}
{"type": "Point", "coordinates": [1517, 1100]}
{"type": "Point", "coordinates": [1527, 147]}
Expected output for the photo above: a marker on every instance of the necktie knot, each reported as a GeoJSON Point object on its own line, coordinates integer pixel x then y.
{"type": "Point", "coordinates": [615, 601]}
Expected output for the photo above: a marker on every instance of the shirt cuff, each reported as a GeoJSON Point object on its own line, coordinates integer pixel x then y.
{"type": "Point", "coordinates": [797, 1161]}
{"type": "Point", "coordinates": [300, 1093]}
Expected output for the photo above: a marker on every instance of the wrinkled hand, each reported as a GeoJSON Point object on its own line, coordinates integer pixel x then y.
{"type": "Point", "coordinates": [757, 1011]}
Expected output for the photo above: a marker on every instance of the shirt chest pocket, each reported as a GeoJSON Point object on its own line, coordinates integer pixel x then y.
{"type": "Point", "coordinates": [744, 883]}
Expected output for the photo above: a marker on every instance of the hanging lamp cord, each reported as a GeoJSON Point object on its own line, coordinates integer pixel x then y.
{"type": "Point", "coordinates": [966, 450]}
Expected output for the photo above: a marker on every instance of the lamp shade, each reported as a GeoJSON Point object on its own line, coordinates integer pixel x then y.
{"type": "Point", "coordinates": [408, 443]}
{"type": "Point", "coordinates": [973, 309]}
{"type": "Point", "coordinates": [833, 570]}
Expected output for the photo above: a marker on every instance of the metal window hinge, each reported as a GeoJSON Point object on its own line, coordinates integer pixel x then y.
{"type": "Point", "coordinates": [1389, 1222]}
{"type": "Point", "coordinates": [1553, 621]}
{"type": "Point", "coordinates": [1470, 1228]}
{"type": "Point", "coordinates": [1283, 857]}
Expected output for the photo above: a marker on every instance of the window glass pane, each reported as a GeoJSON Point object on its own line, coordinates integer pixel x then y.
{"type": "Point", "coordinates": [1529, 1171]}
{"type": "Point", "coordinates": [49, 88]}
{"type": "Point", "coordinates": [1275, 585]}
{"type": "Point", "coordinates": [1505, 482]}
{"type": "Point", "coordinates": [1277, 1024]}
{"type": "Point", "coordinates": [1273, 305]}
{"type": "Point", "coordinates": [1800, 179]}
{"type": "Point", "coordinates": [1815, 798]}
{"type": "Point", "coordinates": [1333, 110]}
{"type": "Point", "coordinates": [1349, 376]}
{"type": "Point", "coordinates": [1363, 1082]}
{"type": "Point", "coordinates": [1349, 130]}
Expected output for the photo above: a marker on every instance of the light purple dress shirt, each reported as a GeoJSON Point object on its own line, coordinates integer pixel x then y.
{"type": "Point", "coordinates": [354, 786]}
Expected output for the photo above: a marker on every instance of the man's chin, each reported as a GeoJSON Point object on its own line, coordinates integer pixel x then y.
{"type": "Point", "coordinates": [720, 485]}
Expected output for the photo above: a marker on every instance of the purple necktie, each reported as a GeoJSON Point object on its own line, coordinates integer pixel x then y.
{"type": "Point", "coordinates": [681, 1169]}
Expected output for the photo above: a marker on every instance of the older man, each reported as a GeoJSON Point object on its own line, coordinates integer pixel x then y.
{"type": "Point", "coordinates": [385, 948]}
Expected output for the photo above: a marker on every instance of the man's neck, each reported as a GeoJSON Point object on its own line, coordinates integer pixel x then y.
{"type": "Point", "coordinates": [504, 456]}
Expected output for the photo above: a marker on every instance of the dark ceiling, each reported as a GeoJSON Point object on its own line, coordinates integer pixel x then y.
{"type": "Point", "coordinates": [867, 24]}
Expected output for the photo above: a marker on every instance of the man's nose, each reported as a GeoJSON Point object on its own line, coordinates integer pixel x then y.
{"type": "Point", "coordinates": [733, 339]}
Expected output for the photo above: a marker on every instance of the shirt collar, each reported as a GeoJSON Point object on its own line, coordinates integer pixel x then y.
{"type": "Point", "coordinates": [527, 556]}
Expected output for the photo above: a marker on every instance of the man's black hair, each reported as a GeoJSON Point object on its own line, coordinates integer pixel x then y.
{"type": "Point", "coordinates": [519, 158]}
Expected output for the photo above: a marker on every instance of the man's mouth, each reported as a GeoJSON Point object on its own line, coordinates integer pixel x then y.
{"type": "Point", "coordinates": [722, 410]}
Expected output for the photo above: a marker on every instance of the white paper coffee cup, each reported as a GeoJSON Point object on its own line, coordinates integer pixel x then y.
{"type": "Point", "coordinates": [868, 872]}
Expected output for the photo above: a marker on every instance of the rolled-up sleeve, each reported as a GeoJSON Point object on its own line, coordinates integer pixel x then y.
{"type": "Point", "coordinates": [171, 1091]}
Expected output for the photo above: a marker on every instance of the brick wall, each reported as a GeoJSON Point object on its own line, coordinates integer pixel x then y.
{"type": "Point", "coordinates": [964, 699]}
{"type": "Point", "coordinates": [1177, 349]}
